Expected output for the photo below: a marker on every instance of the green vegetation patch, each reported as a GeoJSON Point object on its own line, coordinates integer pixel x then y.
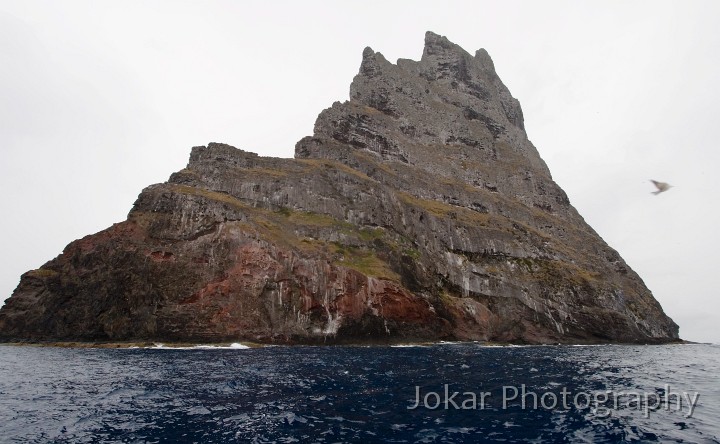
{"type": "Point", "coordinates": [556, 273]}
{"type": "Point", "coordinates": [443, 210]}
{"type": "Point", "coordinates": [332, 164]}
{"type": "Point", "coordinates": [369, 234]}
{"type": "Point", "coordinates": [208, 194]}
{"type": "Point", "coordinates": [260, 171]}
{"type": "Point", "coordinates": [309, 218]}
{"type": "Point", "coordinates": [188, 172]}
{"type": "Point", "coordinates": [373, 160]}
{"type": "Point", "coordinates": [42, 273]}
{"type": "Point", "coordinates": [363, 260]}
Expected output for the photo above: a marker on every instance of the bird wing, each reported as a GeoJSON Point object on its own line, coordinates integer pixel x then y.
{"type": "Point", "coordinates": [661, 186]}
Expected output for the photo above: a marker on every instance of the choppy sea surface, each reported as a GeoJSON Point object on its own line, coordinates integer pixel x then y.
{"type": "Point", "coordinates": [596, 394]}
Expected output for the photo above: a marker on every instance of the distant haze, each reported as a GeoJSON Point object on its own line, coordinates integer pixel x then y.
{"type": "Point", "coordinates": [100, 99]}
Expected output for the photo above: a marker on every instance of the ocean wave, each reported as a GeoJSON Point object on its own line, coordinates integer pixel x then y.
{"type": "Point", "coordinates": [233, 346]}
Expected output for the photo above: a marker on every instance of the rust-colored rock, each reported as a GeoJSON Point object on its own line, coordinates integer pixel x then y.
{"type": "Point", "coordinates": [418, 210]}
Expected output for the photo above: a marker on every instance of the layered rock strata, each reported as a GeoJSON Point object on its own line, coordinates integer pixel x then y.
{"type": "Point", "coordinates": [418, 210]}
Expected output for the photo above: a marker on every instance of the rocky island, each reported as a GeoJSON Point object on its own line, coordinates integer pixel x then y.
{"type": "Point", "coordinates": [417, 211]}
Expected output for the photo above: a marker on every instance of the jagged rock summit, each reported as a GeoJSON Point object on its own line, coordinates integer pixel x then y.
{"type": "Point", "coordinates": [418, 210]}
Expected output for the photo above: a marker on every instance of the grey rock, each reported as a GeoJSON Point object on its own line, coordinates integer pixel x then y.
{"type": "Point", "coordinates": [418, 210]}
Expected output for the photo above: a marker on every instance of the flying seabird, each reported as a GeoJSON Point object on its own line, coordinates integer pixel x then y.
{"type": "Point", "coordinates": [661, 186]}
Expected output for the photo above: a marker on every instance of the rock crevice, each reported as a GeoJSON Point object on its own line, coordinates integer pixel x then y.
{"type": "Point", "coordinates": [418, 210]}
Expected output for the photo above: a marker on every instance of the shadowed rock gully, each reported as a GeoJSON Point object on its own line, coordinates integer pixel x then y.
{"type": "Point", "coordinates": [418, 210]}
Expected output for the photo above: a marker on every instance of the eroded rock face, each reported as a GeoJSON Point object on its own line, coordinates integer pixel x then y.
{"type": "Point", "coordinates": [418, 210]}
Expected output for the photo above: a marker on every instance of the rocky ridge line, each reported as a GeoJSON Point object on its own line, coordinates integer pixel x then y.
{"type": "Point", "coordinates": [418, 210]}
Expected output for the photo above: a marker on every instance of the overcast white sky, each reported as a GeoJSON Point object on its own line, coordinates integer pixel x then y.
{"type": "Point", "coordinates": [100, 99]}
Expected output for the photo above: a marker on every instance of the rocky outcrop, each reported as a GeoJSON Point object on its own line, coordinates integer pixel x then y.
{"type": "Point", "coordinates": [418, 210]}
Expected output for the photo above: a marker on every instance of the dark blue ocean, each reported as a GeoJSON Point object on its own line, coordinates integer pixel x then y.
{"type": "Point", "coordinates": [571, 394]}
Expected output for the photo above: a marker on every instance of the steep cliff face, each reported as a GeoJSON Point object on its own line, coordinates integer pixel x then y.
{"type": "Point", "coordinates": [418, 210]}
